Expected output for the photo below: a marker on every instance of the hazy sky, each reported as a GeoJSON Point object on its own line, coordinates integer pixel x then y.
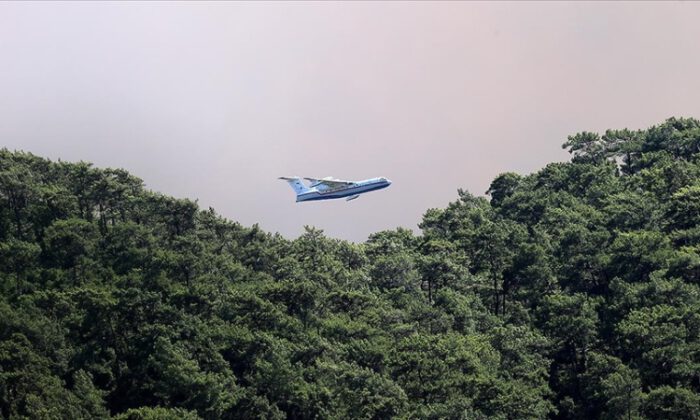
{"type": "Point", "coordinates": [214, 101]}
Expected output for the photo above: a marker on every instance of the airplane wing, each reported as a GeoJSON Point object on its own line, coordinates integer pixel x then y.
{"type": "Point", "coordinates": [329, 182]}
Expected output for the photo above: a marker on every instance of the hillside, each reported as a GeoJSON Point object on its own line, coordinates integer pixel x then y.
{"type": "Point", "coordinates": [573, 292]}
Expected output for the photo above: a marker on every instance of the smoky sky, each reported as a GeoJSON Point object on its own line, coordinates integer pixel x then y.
{"type": "Point", "coordinates": [214, 101]}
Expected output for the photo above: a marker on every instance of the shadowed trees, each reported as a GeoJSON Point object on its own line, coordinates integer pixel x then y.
{"type": "Point", "coordinates": [571, 293]}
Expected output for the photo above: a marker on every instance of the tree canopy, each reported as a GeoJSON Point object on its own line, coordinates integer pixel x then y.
{"type": "Point", "coordinates": [569, 293]}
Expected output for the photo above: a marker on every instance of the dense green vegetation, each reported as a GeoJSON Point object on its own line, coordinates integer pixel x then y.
{"type": "Point", "coordinates": [573, 292]}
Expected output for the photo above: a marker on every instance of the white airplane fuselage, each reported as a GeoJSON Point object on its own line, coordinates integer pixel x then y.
{"type": "Point", "coordinates": [320, 191]}
{"type": "Point", "coordinates": [357, 188]}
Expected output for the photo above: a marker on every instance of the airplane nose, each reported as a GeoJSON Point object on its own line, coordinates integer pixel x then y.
{"type": "Point", "coordinates": [388, 181]}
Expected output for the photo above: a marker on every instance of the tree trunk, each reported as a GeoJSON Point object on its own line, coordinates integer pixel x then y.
{"type": "Point", "coordinates": [496, 302]}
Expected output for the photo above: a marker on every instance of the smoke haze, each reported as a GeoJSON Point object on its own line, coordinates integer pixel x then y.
{"type": "Point", "coordinates": [214, 101]}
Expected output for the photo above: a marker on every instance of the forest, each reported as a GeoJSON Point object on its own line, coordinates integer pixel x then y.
{"type": "Point", "coordinates": [569, 293]}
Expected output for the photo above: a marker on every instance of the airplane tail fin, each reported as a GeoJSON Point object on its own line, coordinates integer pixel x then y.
{"type": "Point", "coordinates": [296, 184]}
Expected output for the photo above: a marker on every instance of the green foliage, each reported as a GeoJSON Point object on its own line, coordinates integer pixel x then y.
{"type": "Point", "coordinates": [573, 293]}
{"type": "Point", "coordinates": [157, 413]}
{"type": "Point", "coordinates": [667, 402]}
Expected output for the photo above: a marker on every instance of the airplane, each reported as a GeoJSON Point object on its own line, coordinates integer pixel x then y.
{"type": "Point", "coordinates": [329, 188]}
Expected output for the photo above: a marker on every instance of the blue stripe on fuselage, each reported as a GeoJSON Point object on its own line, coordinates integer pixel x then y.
{"type": "Point", "coordinates": [354, 190]}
